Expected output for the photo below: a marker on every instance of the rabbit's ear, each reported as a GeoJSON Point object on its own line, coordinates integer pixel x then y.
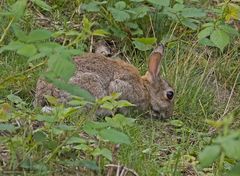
{"type": "Point", "coordinates": [154, 62]}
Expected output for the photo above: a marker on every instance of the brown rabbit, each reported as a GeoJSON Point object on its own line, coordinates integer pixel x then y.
{"type": "Point", "coordinates": [102, 76]}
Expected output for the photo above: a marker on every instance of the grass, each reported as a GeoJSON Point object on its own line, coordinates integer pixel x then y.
{"type": "Point", "coordinates": [207, 86]}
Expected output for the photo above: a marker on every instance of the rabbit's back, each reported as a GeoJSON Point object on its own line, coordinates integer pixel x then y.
{"type": "Point", "coordinates": [101, 76]}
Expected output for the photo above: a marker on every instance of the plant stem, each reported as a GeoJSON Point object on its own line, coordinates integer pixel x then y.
{"type": "Point", "coordinates": [6, 30]}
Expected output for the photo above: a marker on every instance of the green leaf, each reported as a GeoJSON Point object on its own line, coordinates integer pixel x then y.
{"type": "Point", "coordinates": [206, 42]}
{"type": "Point", "coordinates": [120, 5]}
{"type": "Point", "coordinates": [232, 148]}
{"type": "Point", "coordinates": [40, 136]}
{"type": "Point", "coordinates": [229, 29]}
{"type": "Point", "coordinates": [92, 6]}
{"type": "Point", "coordinates": [61, 66]}
{"type": "Point", "coordinates": [100, 32]}
{"type": "Point", "coordinates": [21, 35]}
{"type": "Point", "coordinates": [45, 118]}
{"type": "Point", "coordinates": [65, 127]}
{"type": "Point", "coordinates": [114, 136]}
{"type": "Point", "coordinates": [119, 15]}
{"type": "Point", "coordinates": [188, 22]}
{"type": "Point", "coordinates": [108, 105]}
{"type": "Point", "coordinates": [70, 88]}
{"type": "Point", "coordinates": [76, 140]}
{"type": "Point", "coordinates": [209, 155]}
{"type": "Point", "coordinates": [193, 12]}
{"type": "Point", "coordinates": [43, 5]}
{"type": "Point", "coordinates": [140, 12]}
{"type": "Point", "coordinates": [220, 39]}
{"type": "Point", "coordinates": [205, 32]}
{"type": "Point", "coordinates": [165, 3]}
{"type": "Point", "coordinates": [52, 100]}
{"type": "Point", "coordinates": [18, 8]}
{"type": "Point", "coordinates": [124, 103]}
{"type": "Point", "coordinates": [12, 46]}
{"type": "Point", "coordinates": [104, 152]}
{"type": "Point", "coordinates": [235, 170]}
{"type": "Point", "coordinates": [7, 127]}
{"type": "Point", "coordinates": [141, 46]}
{"type": "Point", "coordinates": [176, 123]}
{"type": "Point", "coordinates": [28, 50]}
{"type": "Point", "coordinates": [39, 35]}
{"type": "Point", "coordinates": [119, 121]}
{"type": "Point", "coordinates": [146, 41]}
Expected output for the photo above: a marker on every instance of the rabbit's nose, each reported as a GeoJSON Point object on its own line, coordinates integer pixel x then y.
{"type": "Point", "coordinates": [170, 95]}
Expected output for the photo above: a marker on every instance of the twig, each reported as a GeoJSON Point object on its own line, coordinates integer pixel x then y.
{"type": "Point", "coordinates": [123, 169]}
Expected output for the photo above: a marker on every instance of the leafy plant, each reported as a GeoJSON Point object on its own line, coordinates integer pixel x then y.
{"type": "Point", "coordinates": [224, 148]}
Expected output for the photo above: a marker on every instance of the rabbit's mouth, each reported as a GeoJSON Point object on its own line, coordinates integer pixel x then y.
{"type": "Point", "coordinates": [159, 114]}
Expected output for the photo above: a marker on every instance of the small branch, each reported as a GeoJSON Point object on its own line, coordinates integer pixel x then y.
{"type": "Point", "coordinates": [122, 170]}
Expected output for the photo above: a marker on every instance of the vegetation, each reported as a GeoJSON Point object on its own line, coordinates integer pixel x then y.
{"type": "Point", "coordinates": [201, 62]}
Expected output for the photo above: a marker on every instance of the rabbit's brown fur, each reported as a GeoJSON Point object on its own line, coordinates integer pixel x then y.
{"type": "Point", "coordinates": [102, 76]}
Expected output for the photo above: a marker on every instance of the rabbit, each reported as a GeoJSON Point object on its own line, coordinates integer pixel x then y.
{"type": "Point", "coordinates": [102, 76]}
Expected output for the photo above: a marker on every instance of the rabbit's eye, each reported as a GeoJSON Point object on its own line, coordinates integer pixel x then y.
{"type": "Point", "coordinates": [170, 95]}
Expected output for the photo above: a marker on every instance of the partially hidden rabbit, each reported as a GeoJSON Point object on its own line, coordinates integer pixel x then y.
{"type": "Point", "coordinates": [102, 76]}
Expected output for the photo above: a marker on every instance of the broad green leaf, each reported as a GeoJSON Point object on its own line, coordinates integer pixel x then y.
{"type": "Point", "coordinates": [140, 12]}
{"type": "Point", "coordinates": [193, 12]}
{"type": "Point", "coordinates": [104, 152]}
{"type": "Point", "coordinates": [124, 103]}
{"type": "Point", "coordinates": [18, 8]}
{"type": "Point", "coordinates": [141, 46]}
{"type": "Point", "coordinates": [45, 118]}
{"type": "Point", "coordinates": [7, 127]}
{"type": "Point", "coordinates": [232, 148]}
{"type": "Point", "coordinates": [76, 140]}
{"type": "Point", "coordinates": [209, 155]}
{"type": "Point", "coordinates": [61, 66]}
{"type": "Point", "coordinates": [100, 32]}
{"type": "Point", "coordinates": [43, 5]}
{"type": "Point", "coordinates": [92, 6]}
{"type": "Point", "coordinates": [120, 5]}
{"type": "Point", "coordinates": [52, 100]}
{"type": "Point", "coordinates": [177, 8]}
{"type": "Point", "coordinates": [119, 121]}
{"type": "Point", "coordinates": [39, 35]}
{"type": "Point", "coordinates": [21, 35]}
{"type": "Point", "coordinates": [159, 2]}
{"type": "Point", "coordinates": [12, 46]}
{"type": "Point", "coordinates": [37, 56]}
{"type": "Point", "coordinates": [220, 38]}
{"type": "Point", "coordinates": [108, 105]}
{"type": "Point", "coordinates": [119, 15]}
{"type": "Point", "coordinates": [82, 147]}
{"type": "Point", "coordinates": [189, 23]}
{"type": "Point", "coordinates": [40, 136]}
{"type": "Point", "coordinates": [65, 127]}
{"type": "Point", "coordinates": [114, 136]}
{"type": "Point", "coordinates": [28, 50]}
{"type": "Point", "coordinates": [176, 123]}
{"type": "Point", "coordinates": [205, 32]}
{"type": "Point", "coordinates": [235, 170]}
{"type": "Point", "coordinates": [228, 29]}
{"type": "Point", "coordinates": [70, 88]}
{"type": "Point", "coordinates": [15, 99]}
{"type": "Point", "coordinates": [206, 42]}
